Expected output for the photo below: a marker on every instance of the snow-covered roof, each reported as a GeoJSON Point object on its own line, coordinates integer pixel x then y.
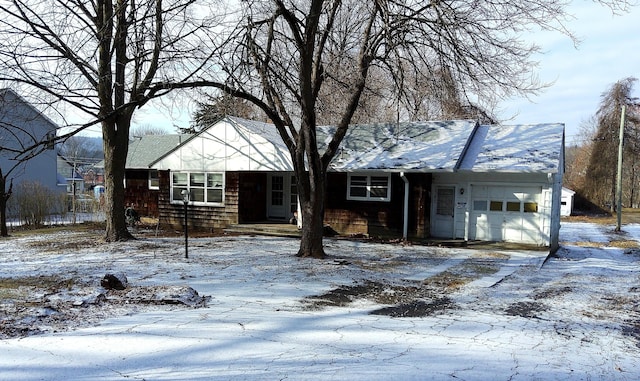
{"type": "Point", "coordinates": [413, 146]}
{"type": "Point", "coordinates": [432, 146]}
{"type": "Point", "coordinates": [267, 131]}
{"type": "Point", "coordinates": [515, 148]}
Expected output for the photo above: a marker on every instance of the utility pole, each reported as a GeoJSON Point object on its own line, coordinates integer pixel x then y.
{"type": "Point", "coordinates": [619, 179]}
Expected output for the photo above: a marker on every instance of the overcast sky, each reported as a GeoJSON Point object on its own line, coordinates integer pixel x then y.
{"type": "Point", "coordinates": [609, 51]}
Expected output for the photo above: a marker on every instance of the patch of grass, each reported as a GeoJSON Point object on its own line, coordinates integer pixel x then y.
{"type": "Point", "coordinates": [448, 281]}
{"type": "Point", "coordinates": [74, 244]}
{"type": "Point", "coordinates": [587, 244]}
{"type": "Point", "coordinates": [625, 244]}
{"type": "Point", "coordinates": [620, 243]}
{"type": "Point", "coordinates": [49, 229]}
{"type": "Point", "coordinates": [12, 288]}
{"type": "Point", "coordinates": [629, 216]}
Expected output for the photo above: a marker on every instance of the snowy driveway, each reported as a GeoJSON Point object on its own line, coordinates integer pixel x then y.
{"type": "Point", "coordinates": [272, 316]}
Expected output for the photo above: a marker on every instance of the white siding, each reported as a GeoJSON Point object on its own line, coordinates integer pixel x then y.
{"type": "Point", "coordinates": [227, 147]}
{"type": "Point", "coordinates": [509, 189]}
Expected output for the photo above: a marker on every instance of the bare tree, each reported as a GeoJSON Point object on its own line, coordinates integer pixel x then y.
{"type": "Point", "coordinates": [22, 130]}
{"type": "Point", "coordinates": [214, 108]}
{"type": "Point", "coordinates": [147, 129]}
{"type": "Point", "coordinates": [84, 148]}
{"type": "Point", "coordinates": [601, 172]}
{"type": "Point", "coordinates": [578, 154]}
{"type": "Point", "coordinates": [102, 60]}
{"type": "Point", "coordinates": [284, 53]}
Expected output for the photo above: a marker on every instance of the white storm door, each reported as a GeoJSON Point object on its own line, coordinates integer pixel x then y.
{"type": "Point", "coordinates": [442, 224]}
{"type": "Point", "coordinates": [277, 202]}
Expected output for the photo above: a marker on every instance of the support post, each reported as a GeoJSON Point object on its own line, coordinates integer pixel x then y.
{"type": "Point", "coordinates": [185, 199]}
{"type": "Point", "coordinates": [619, 174]}
{"type": "Point", "coordinates": [405, 220]}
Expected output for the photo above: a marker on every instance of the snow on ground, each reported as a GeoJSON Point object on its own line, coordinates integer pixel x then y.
{"type": "Point", "coordinates": [369, 312]}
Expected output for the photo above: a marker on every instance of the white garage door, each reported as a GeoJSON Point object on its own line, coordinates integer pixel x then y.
{"type": "Point", "coordinates": [505, 213]}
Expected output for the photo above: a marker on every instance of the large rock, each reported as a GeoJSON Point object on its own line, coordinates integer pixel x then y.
{"type": "Point", "coordinates": [114, 281]}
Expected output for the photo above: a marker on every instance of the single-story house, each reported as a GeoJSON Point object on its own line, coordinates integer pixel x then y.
{"type": "Point", "coordinates": [141, 182]}
{"type": "Point", "coordinates": [446, 179]}
{"type": "Point", "coordinates": [566, 202]}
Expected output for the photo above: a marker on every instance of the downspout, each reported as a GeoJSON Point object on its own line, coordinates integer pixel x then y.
{"type": "Point", "coordinates": [405, 225]}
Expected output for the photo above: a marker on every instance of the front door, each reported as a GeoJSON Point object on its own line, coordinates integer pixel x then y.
{"type": "Point", "coordinates": [442, 225]}
{"type": "Point", "coordinates": [282, 197]}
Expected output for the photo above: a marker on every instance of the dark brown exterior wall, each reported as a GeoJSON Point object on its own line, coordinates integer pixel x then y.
{"type": "Point", "coordinates": [138, 195]}
{"type": "Point", "coordinates": [203, 218]}
{"type": "Point", "coordinates": [252, 201]}
{"type": "Point", "coordinates": [246, 197]}
{"type": "Point", "coordinates": [379, 219]}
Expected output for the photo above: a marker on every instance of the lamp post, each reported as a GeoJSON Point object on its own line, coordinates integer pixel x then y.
{"type": "Point", "coordinates": [185, 200]}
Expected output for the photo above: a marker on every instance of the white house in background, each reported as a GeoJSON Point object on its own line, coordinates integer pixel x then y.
{"type": "Point", "coordinates": [422, 180]}
{"type": "Point", "coordinates": [22, 125]}
{"type": "Point", "coordinates": [566, 202]}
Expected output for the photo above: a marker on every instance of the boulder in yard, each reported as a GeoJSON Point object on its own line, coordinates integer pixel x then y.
{"type": "Point", "coordinates": [114, 281]}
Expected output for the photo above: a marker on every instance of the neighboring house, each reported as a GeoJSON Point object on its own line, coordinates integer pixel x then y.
{"type": "Point", "coordinates": [141, 182]}
{"type": "Point", "coordinates": [94, 176]}
{"type": "Point", "coordinates": [21, 126]}
{"type": "Point", "coordinates": [70, 176]}
{"type": "Point", "coordinates": [566, 202]}
{"type": "Point", "coordinates": [450, 179]}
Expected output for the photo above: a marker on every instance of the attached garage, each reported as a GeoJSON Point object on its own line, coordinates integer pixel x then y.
{"type": "Point", "coordinates": [505, 213]}
{"type": "Point", "coordinates": [506, 187]}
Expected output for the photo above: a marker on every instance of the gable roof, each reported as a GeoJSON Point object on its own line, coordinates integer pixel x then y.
{"type": "Point", "coordinates": [515, 148]}
{"type": "Point", "coordinates": [409, 146]}
{"type": "Point", "coordinates": [146, 149]}
{"type": "Point", "coordinates": [432, 146]}
{"type": "Point", "coordinates": [66, 169]}
{"type": "Point", "coordinates": [14, 100]}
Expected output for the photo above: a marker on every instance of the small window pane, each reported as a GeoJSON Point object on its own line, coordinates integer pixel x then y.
{"type": "Point", "coordinates": [495, 206]}
{"type": "Point", "coordinates": [379, 192]}
{"type": "Point", "coordinates": [196, 194]}
{"type": "Point", "coordinates": [180, 179]}
{"type": "Point", "coordinates": [513, 206]}
{"type": "Point", "coordinates": [177, 193]}
{"type": "Point", "coordinates": [377, 181]}
{"type": "Point", "coordinates": [214, 180]}
{"type": "Point", "coordinates": [358, 192]}
{"type": "Point", "coordinates": [197, 179]}
{"type": "Point", "coordinates": [154, 182]}
{"type": "Point", "coordinates": [277, 183]}
{"type": "Point", "coordinates": [531, 207]}
{"type": "Point", "coordinates": [214, 195]}
{"type": "Point", "coordinates": [480, 205]}
{"type": "Point", "coordinates": [359, 181]}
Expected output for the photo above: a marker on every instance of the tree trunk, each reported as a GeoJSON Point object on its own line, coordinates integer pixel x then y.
{"type": "Point", "coordinates": [4, 197]}
{"type": "Point", "coordinates": [115, 141]}
{"type": "Point", "coordinates": [312, 230]}
{"type": "Point", "coordinates": [3, 209]}
{"type": "Point", "coordinates": [311, 194]}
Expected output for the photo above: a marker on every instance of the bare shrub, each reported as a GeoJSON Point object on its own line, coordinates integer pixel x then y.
{"type": "Point", "coordinates": [33, 203]}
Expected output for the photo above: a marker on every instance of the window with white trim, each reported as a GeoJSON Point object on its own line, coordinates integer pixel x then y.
{"type": "Point", "coordinates": [203, 187]}
{"type": "Point", "coordinates": [154, 181]}
{"type": "Point", "coordinates": [369, 187]}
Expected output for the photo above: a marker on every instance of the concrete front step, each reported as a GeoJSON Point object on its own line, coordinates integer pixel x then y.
{"type": "Point", "coordinates": [279, 230]}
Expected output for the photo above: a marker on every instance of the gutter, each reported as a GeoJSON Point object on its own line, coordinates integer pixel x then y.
{"type": "Point", "coordinates": [405, 223]}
